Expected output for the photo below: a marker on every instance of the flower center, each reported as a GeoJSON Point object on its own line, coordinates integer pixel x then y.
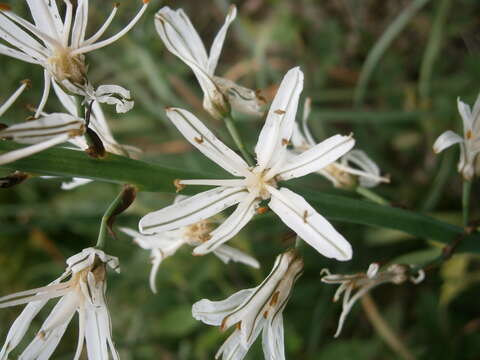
{"type": "Point", "coordinates": [256, 183]}
{"type": "Point", "coordinates": [64, 66]}
{"type": "Point", "coordinates": [198, 233]}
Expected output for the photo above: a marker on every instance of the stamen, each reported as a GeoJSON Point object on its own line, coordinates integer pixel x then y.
{"type": "Point", "coordinates": [279, 112]}
{"type": "Point", "coordinates": [178, 186]}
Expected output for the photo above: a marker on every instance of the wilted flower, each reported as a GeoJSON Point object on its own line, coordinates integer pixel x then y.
{"type": "Point", "coordinates": [364, 282]}
{"type": "Point", "coordinates": [182, 40]}
{"type": "Point", "coordinates": [258, 183]}
{"type": "Point", "coordinates": [254, 310]}
{"type": "Point", "coordinates": [57, 128]}
{"type": "Point", "coordinates": [469, 144]}
{"type": "Point", "coordinates": [352, 168]}
{"type": "Point", "coordinates": [166, 244]}
{"type": "Point", "coordinates": [84, 293]}
{"type": "Point", "coordinates": [59, 45]}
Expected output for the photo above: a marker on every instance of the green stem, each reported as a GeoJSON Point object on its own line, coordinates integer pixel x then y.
{"type": "Point", "coordinates": [371, 195]}
{"type": "Point", "coordinates": [467, 188]}
{"type": "Point", "coordinates": [238, 141]}
{"type": "Point", "coordinates": [103, 225]}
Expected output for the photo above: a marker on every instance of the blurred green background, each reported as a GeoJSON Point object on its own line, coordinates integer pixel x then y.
{"type": "Point", "coordinates": [409, 98]}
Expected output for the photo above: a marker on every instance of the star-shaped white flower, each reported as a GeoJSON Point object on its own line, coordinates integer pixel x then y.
{"type": "Point", "coordinates": [364, 282]}
{"type": "Point", "coordinates": [257, 183]}
{"type": "Point", "coordinates": [182, 40]}
{"type": "Point", "coordinates": [84, 293]}
{"type": "Point", "coordinates": [355, 166]}
{"type": "Point", "coordinates": [166, 244]}
{"type": "Point", "coordinates": [254, 310]}
{"type": "Point", "coordinates": [469, 144]}
{"type": "Point", "coordinates": [59, 44]}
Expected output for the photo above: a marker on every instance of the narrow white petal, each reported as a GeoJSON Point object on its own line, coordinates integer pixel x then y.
{"type": "Point", "coordinates": [273, 339]}
{"type": "Point", "coordinates": [447, 139]}
{"type": "Point", "coordinates": [110, 40]}
{"type": "Point", "coordinates": [103, 28]}
{"type": "Point", "coordinates": [278, 128]}
{"type": "Point", "coordinates": [213, 312]}
{"type": "Point", "coordinates": [466, 114]}
{"type": "Point", "coordinates": [205, 141]}
{"type": "Point", "coordinates": [313, 228]}
{"type": "Point", "coordinates": [6, 105]}
{"type": "Point", "coordinates": [15, 155]}
{"type": "Point", "coordinates": [45, 128]}
{"type": "Point", "coordinates": [114, 95]}
{"type": "Point", "coordinates": [191, 210]}
{"type": "Point", "coordinates": [317, 157]}
{"type": "Point", "coordinates": [227, 253]}
{"type": "Point", "coordinates": [217, 44]}
{"type": "Point", "coordinates": [232, 348]}
{"type": "Point", "coordinates": [80, 24]}
{"type": "Point", "coordinates": [47, 81]}
{"type": "Point", "coordinates": [42, 14]}
{"type": "Point", "coordinates": [5, 50]}
{"type": "Point", "coordinates": [230, 227]}
{"type": "Point", "coordinates": [74, 183]}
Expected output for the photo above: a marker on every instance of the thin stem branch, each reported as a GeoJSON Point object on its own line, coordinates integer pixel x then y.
{"type": "Point", "coordinates": [232, 129]}
{"type": "Point", "coordinates": [467, 188]}
{"type": "Point", "coordinates": [371, 195]}
{"type": "Point", "coordinates": [384, 330]}
{"type": "Point", "coordinates": [104, 223]}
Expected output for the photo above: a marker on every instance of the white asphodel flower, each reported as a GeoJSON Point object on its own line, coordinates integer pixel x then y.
{"type": "Point", "coordinates": [182, 40]}
{"type": "Point", "coordinates": [257, 183]}
{"type": "Point", "coordinates": [59, 45]}
{"type": "Point", "coordinates": [352, 168]}
{"type": "Point", "coordinates": [364, 282]}
{"type": "Point", "coordinates": [83, 292]}
{"type": "Point", "coordinates": [254, 310]}
{"type": "Point", "coordinates": [57, 128]}
{"type": "Point", "coordinates": [166, 244]}
{"type": "Point", "coordinates": [469, 144]}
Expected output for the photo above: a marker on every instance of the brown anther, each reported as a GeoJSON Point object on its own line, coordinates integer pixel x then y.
{"type": "Point", "coordinates": [258, 94]}
{"type": "Point", "coordinates": [265, 314]}
{"type": "Point", "coordinates": [178, 185]}
{"type": "Point", "coordinates": [27, 83]}
{"type": "Point", "coordinates": [262, 210]}
{"type": "Point", "coordinates": [5, 7]}
{"type": "Point", "coordinates": [238, 325]}
{"type": "Point", "coordinates": [198, 140]}
{"type": "Point", "coordinates": [279, 112]}
{"type": "Point", "coordinates": [205, 237]}
{"type": "Point", "coordinates": [305, 215]}
{"type": "Point", "coordinates": [41, 334]}
{"type": "Point", "coordinates": [116, 5]}
{"type": "Point", "coordinates": [274, 299]}
{"type": "Point", "coordinates": [146, 1]}
{"type": "Point", "coordinates": [469, 134]}
{"type": "Point", "coordinates": [285, 142]}
{"type": "Point", "coordinates": [223, 325]}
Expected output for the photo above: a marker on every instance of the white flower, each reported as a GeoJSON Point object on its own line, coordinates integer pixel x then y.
{"type": "Point", "coordinates": [341, 173]}
{"type": "Point", "coordinates": [469, 145]}
{"type": "Point", "coordinates": [254, 310]}
{"type": "Point", "coordinates": [84, 293]}
{"type": "Point", "coordinates": [363, 283]}
{"type": "Point", "coordinates": [182, 40]}
{"type": "Point", "coordinates": [59, 44]}
{"type": "Point", "coordinates": [166, 244]}
{"type": "Point", "coordinates": [57, 128]}
{"type": "Point", "coordinates": [258, 183]}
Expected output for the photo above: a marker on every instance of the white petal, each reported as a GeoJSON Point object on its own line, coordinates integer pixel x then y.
{"type": "Point", "coordinates": [42, 14]}
{"type": "Point", "coordinates": [76, 182]}
{"type": "Point", "coordinates": [227, 253]}
{"type": "Point", "coordinates": [273, 339]}
{"type": "Point", "coordinates": [205, 141]}
{"type": "Point", "coordinates": [47, 82]}
{"type": "Point", "coordinates": [6, 105]}
{"type": "Point", "coordinates": [466, 115]}
{"type": "Point", "coordinates": [230, 227]}
{"type": "Point", "coordinates": [317, 157]}
{"type": "Point", "coordinates": [213, 312]}
{"type": "Point", "coordinates": [69, 102]}
{"type": "Point", "coordinates": [15, 155]}
{"type": "Point", "coordinates": [313, 228]}
{"type": "Point", "coordinates": [217, 44]}
{"type": "Point", "coordinates": [45, 128]}
{"type": "Point", "coordinates": [191, 210]}
{"type": "Point", "coordinates": [80, 24]}
{"type": "Point", "coordinates": [447, 139]}
{"type": "Point", "coordinates": [232, 348]}
{"type": "Point", "coordinates": [5, 50]}
{"type": "Point", "coordinates": [114, 95]}
{"type": "Point", "coordinates": [359, 158]}
{"type": "Point", "coordinates": [278, 128]}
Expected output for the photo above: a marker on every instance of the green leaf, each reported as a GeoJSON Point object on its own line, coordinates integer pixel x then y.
{"type": "Point", "coordinates": [153, 177]}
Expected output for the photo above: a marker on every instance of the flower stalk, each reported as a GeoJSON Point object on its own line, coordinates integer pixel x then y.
{"type": "Point", "coordinates": [467, 189]}
{"type": "Point", "coordinates": [232, 129]}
